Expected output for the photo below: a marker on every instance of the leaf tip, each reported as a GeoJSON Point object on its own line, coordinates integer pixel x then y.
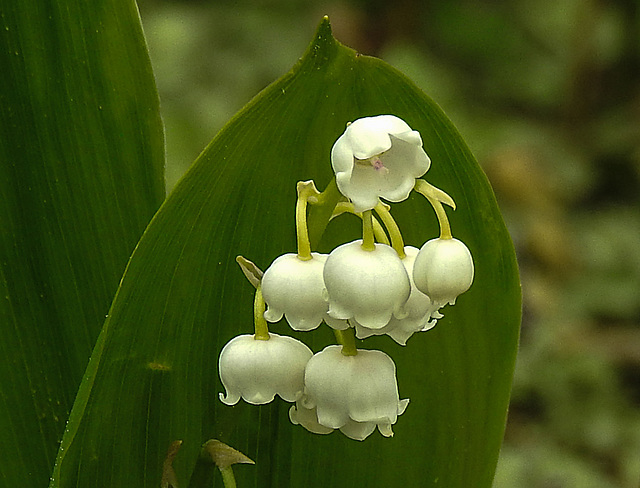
{"type": "Point", "coordinates": [324, 26]}
{"type": "Point", "coordinates": [323, 43]}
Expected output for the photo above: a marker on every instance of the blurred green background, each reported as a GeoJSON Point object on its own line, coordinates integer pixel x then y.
{"type": "Point", "coordinates": [547, 95]}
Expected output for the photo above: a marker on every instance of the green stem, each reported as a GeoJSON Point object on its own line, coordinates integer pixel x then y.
{"type": "Point", "coordinates": [227, 477]}
{"type": "Point", "coordinates": [445, 227]}
{"type": "Point", "coordinates": [397, 242]}
{"type": "Point", "coordinates": [347, 340]}
{"type": "Point", "coordinates": [436, 198]}
{"type": "Point", "coordinates": [306, 190]}
{"type": "Point", "coordinates": [260, 323]}
{"type": "Point", "coordinates": [368, 242]}
{"type": "Point", "coordinates": [378, 231]}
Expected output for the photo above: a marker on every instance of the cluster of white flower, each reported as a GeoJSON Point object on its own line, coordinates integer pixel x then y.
{"type": "Point", "coordinates": [363, 287]}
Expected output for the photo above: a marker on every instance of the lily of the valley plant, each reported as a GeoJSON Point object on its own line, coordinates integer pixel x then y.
{"type": "Point", "coordinates": [372, 286]}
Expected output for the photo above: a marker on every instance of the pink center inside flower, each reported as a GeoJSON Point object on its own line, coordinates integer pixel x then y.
{"type": "Point", "coordinates": [374, 162]}
{"type": "Point", "coordinates": [379, 166]}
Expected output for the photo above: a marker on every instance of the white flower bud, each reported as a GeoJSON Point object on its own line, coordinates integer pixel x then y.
{"type": "Point", "coordinates": [419, 310]}
{"type": "Point", "coordinates": [443, 270]}
{"type": "Point", "coordinates": [295, 288]}
{"type": "Point", "coordinates": [378, 157]}
{"type": "Point", "coordinates": [352, 393]}
{"type": "Point", "coordinates": [257, 370]}
{"type": "Point", "coordinates": [368, 286]}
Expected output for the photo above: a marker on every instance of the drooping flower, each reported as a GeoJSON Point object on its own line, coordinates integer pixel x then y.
{"type": "Point", "coordinates": [258, 370]}
{"type": "Point", "coordinates": [378, 157]}
{"type": "Point", "coordinates": [295, 288]}
{"type": "Point", "coordinates": [355, 394]}
{"type": "Point", "coordinates": [368, 286]}
{"type": "Point", "coordinates": [443, 270]}
{"type": "Point", "coordinates": [421, 315]}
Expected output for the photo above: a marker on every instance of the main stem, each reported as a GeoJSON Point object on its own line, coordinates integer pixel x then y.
{"type": "Point", "coordinates": [320, 210]}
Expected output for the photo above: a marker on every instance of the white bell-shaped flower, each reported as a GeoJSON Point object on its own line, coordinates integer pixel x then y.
{"type": "Point", "coordinates": [257, 370]}
{"type": "Point", "coordinates": [421, 313]}
{"type": "Point", "coordinates": [355, 394]}
{"type": "Point", "coordinates": [443, 270]}
{"type": "Point", "coordinates": [378, 157]}
{"type": "Point", "coordinates": [368, 286]}
{"type": "Point", "coordinates": [295, 288]}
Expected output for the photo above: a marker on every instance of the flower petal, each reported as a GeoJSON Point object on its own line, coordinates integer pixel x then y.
{"type": "Point", "coordinates": [374, 391]}
{"type": "Point", "coordinates": [358, 431]}
{"type": "Point", "coordinates": [307, 417]}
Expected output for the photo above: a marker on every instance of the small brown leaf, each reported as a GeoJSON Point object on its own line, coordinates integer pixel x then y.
{"type": "Point", "coordinates": [222, 455]}
{"type": "Point", "coordinates": [250, 270]}
{"type": "Point", "coordinates": [169, 479]}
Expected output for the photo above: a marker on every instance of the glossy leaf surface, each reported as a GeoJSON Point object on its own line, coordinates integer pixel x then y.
{"type": "Point", "coordinates": [152, 379]}
{"type": "Point", "coordinates": [81, 175]}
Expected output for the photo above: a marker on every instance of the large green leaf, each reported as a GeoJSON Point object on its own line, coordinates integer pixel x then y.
{"type": "Point", "coordinates": [81, 175]}
{"type": "Point", "coordinates": [152, 379]}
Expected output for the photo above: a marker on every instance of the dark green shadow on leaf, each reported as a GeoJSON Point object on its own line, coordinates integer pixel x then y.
{"type": "Point", "coordinates": [81, 175]}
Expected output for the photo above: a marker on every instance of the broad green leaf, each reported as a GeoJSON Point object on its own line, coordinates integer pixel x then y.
{"type": "Point", "coordinates": [81, 175]}
{"type": "Point", "coordinates": [152, 379]}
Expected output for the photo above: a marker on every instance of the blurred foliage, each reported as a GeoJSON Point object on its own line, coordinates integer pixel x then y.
{"type": "Point", "coordinates": [547, 94]}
